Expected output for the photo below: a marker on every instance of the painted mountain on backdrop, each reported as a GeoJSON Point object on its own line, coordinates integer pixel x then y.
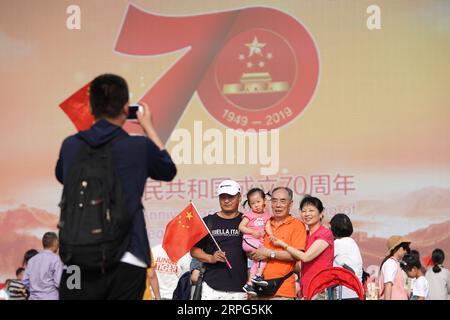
{"type": "Point", "coordinates": [21, 229]}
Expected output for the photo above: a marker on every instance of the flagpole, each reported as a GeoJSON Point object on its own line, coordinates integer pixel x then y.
{"type": "Point", "coordinates": [215, 242]}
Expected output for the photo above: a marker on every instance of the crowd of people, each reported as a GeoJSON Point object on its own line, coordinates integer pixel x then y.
{"type": "Point", "coordinates": [258, 254]}
{"type": "Point", "coordinates": [292, 249]}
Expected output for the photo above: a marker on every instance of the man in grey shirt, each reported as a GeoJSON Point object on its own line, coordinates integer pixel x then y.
{"type": "Point", "coordinates": [43, 272]}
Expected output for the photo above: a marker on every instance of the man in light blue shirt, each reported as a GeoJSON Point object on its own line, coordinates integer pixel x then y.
{"type": "Point", "coordinates": [43, 271]}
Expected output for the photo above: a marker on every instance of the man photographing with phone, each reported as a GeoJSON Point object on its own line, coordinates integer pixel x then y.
{"type": "Point", "coordinates": [104, 171]}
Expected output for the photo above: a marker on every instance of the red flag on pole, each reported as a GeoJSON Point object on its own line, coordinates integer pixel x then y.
{"type": "Point", "coordinates": [183, 232]}
{"type": "Point", "coordinates": [77, 108]}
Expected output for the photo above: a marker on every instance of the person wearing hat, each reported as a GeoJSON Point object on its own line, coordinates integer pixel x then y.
{"type": "Point", "coordinates": [392, 278]}
{"type": "Point", "coordinates": [226, 268]}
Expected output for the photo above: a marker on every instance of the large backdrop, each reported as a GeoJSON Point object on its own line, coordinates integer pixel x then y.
{"type": "Point", "coordinates": [344, 100]}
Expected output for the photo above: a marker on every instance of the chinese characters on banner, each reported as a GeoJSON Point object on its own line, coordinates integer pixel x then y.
{"type": "Point", "coordinates": [204, 189]}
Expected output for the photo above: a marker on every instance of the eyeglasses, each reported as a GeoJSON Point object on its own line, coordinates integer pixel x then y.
{"type": "Point", "coordinates": [283, 202]}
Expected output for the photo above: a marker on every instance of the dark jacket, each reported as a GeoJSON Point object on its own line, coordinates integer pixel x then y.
{"type": "Point", "coordinates": [136, 159]}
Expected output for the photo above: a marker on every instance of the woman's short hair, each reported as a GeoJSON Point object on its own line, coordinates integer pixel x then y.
{"type": "Point", "coordinates": [341, 226]}
{"type": "Point", "coordinates": [312, 201]}
{"type": "Point", "coordinates": [28, 255]}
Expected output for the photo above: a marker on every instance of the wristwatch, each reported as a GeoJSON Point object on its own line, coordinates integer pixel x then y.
{"type": "Point", "coordinates": [272, 254]}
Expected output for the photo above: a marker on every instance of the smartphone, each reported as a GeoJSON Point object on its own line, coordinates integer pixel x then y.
{"type": "Point", "coordinates": [133, 109]}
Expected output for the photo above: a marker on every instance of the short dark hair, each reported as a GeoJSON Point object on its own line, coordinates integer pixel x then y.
{"type": "Point", "coordinates": [108, 93]}
{"type": "Point", "coordinates": [19, 271]}
{"type": "Point", "coordinates": [341, 226]}
{"type": "Point", "coordinates": [410, 261]}
{"type": "Point", "coordinates": [49, 239]}
{"type": "Point", "coordinates": [288, 190]}
{"type": "Point", "coordinates": [415, 253]}
{"type": "Point", "coordinates": [313, 201]}
{"type": "Point", "coordinates": [28, 255]}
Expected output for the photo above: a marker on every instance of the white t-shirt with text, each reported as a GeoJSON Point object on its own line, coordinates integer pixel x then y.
{"type": "Point", "coordinates": [168, 273]}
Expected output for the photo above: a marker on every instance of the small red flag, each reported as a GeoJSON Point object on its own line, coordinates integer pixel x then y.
{"type": "Point", "coordinates": [77, 108]}
{"type": "Point", "coordinates": [427, 261]}
{"type": "Point", "coordinates": [183, 232]}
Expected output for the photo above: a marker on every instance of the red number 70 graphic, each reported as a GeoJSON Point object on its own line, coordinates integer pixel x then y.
{"type": "Point", "coordinates": [253, 68]}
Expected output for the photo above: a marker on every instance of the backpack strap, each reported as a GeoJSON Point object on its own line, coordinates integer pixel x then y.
{"type": "Point", "coordinates": [86, 149]}
{"type": "Point", "coordinates": [287, 275]}
{"type": "Point", "coordinates": [105, 149]}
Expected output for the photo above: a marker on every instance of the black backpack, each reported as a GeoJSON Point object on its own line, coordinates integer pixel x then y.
{"type": "Point", "coordinates": [183, 289]}
{"type": "Point", "coordinates": [94, 224]}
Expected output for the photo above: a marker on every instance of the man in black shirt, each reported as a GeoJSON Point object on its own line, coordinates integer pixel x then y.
{"type": "Point", "coordinates": [220, 282]}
